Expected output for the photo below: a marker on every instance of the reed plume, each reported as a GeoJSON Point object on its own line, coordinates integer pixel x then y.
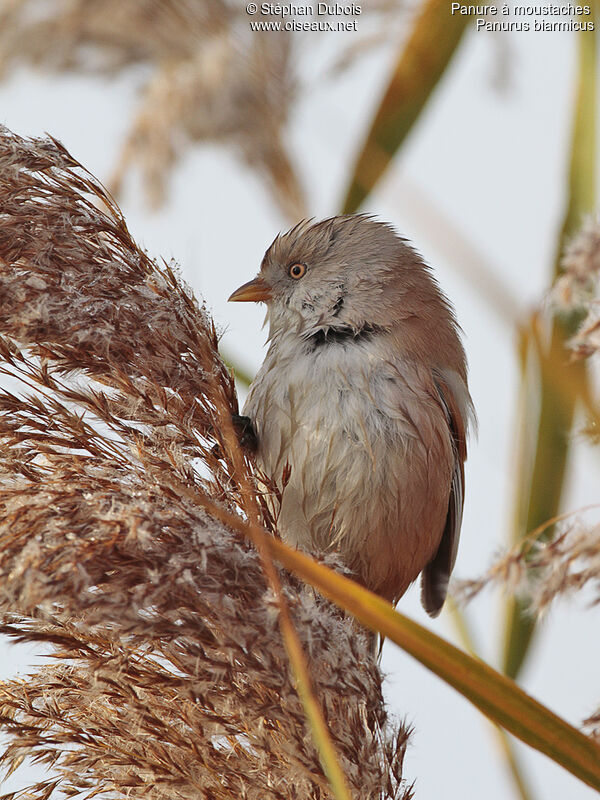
{"type": "Point", "coordinates": [540, 571]}
{"type": "Point", "coordinates": [566, 559]}
{"type": "Point", "coordinates": [204, 77]}
{"type": "Point", "coordinates": [578, 287]}
{"type": "Point", "coordinates": [538, 568]}
{"type": "Point", "coordinates": [167, 675]}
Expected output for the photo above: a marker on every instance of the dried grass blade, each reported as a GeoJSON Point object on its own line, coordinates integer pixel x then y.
{"type": "Point", "coordinates": [494, 694]}
{"type": "Point", "coordinates": [430, 46]}
{"type": "Point", "coordinates": [543, 463]}
{"type": "Point", "coordinates": [513, 763]}
{"type": "Point", "coordinates": [312, 708]}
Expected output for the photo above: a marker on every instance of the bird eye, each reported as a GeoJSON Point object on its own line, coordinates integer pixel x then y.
{"type": "Point", "coordinates": [297, 270]}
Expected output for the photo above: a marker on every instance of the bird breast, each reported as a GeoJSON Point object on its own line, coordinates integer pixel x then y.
{"type": "Point", "coordinates": [369, 451]}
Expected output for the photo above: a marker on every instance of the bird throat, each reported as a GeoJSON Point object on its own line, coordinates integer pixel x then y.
{"type": "Point", "coordinates": [343, 334]}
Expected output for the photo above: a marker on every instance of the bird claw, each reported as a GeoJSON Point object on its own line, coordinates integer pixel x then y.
{"type": "Point", "coordinates": [245, 434]}
{"type": "Point", "coordinates": [245, 431]}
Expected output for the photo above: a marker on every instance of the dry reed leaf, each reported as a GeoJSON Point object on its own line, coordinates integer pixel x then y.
{"type": "Point", "coordinates": [539, 572]}
{"type": "Point", "coordinates": [542, 570]}
{"type": "Point", "coordinates": [167, 677]}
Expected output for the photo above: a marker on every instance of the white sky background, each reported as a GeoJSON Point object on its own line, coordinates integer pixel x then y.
{"type": "Point", "coordinates": [495, 164]}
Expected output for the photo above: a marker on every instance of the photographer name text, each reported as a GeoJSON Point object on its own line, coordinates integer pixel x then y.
{"type": "Point", "coordinates": [314, 10]}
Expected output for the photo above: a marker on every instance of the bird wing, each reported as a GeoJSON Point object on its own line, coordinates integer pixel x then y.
{"type": "Point", "coordinates": [435, 577]}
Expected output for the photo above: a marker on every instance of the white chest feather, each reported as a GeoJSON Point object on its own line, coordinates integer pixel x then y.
{"type": "Point", "coordinates": [350, 425]}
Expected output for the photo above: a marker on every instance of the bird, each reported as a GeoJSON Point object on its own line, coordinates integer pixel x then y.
{"type": "Point", "coordinates": [361, 409]}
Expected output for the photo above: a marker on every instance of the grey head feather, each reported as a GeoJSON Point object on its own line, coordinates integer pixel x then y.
{"type": "Point", "coordinates": [359, 272]}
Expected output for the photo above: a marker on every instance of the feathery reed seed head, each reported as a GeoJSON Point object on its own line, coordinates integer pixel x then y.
{"type": "Point", "coordinates": [168, 677]}
{"type": "Point", "coordinates": [578, 285]}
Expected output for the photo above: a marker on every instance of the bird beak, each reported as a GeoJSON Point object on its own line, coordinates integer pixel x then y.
{"type": "Point", "coordinates": [255, 291]}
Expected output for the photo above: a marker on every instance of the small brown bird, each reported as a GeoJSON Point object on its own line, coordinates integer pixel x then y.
{"type": "Point", "coordinates": [363, 392]}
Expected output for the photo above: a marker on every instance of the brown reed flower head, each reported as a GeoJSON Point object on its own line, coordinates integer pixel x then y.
{"type": "Point", "coordinates": [168, 677]}
{"type": "Point", "coordinates": [578, 285]}
{"type": "Point", "coordinates": [592, 725]}
{"type": "Point", "coordinates": [581, 259]}
{"type": "Point", "coordinates": [207, 78]}
{"type": "Point", "coordinates": [541, 571]}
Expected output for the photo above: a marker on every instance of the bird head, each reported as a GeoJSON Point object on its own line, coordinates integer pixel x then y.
{"type": "Point", "coordinates": [350, 274]}
{"type": "Point", "coordinates": [338, 273]}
